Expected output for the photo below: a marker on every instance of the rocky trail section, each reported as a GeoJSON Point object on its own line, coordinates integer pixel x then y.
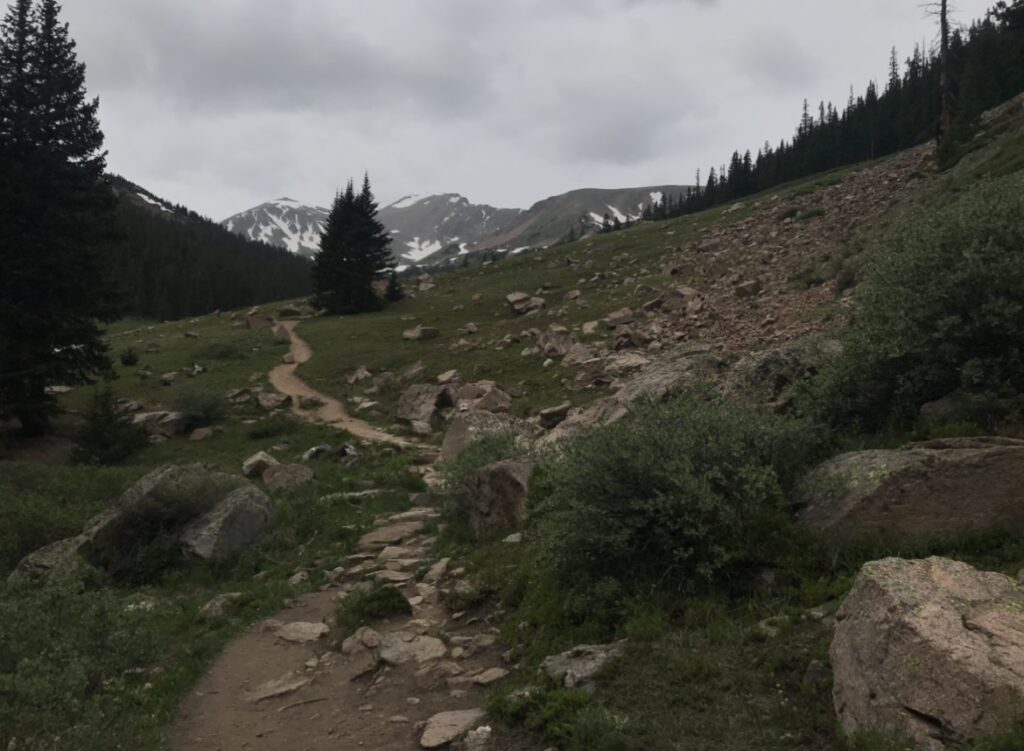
{"type": "Point", "coordinates": [314, 406]}
{"type": "Point", "coordinates": [408, 683]}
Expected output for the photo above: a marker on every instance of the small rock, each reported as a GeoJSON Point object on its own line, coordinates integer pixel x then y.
{"type": "Point", "coordinates": [287, 476]}
{"type": "Point", "coordinates": [279, 687]}
{"type": "Point", "coordinates": [421, 333]}
{"type": "Point", "coordinates": [443, 728]}
{"type": "Point", "coordinates": [220, 605]}
{"type": "Point", "coordinates": [302, 633]}
{"type": "Point", "coordinates": [257, 464]}
{"type": "Point", "coordinates": [490, 677]}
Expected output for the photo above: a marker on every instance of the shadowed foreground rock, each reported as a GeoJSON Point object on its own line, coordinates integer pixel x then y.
{"type": "Point", "coordinates": [496, 496]}
{"type": "Point", "coordinates": [945, 487]}
{"type": "Point", "coordinates": [931, 650]}
{"type": "Point", "coordinates": [211, 515]}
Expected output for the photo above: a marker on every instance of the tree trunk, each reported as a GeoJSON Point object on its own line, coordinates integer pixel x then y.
{"type": "Point", "coordinates": [32, 411]}
{"type": "Point", "coordinates": [946, 114]}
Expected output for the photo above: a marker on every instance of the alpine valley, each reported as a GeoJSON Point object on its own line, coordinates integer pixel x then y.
{"type": "Point", "coordinates": [433, 230]}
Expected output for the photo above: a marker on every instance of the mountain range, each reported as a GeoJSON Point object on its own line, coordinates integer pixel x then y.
{"type": "Point", "coordinates": [435, 229]}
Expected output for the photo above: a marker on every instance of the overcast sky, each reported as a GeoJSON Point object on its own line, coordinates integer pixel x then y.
{"type": "Point", "coordinates": [223, 104]}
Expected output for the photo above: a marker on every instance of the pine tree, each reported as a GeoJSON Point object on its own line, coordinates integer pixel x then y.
{"type": "Point", "coordinates": [56, 216]}
{"type": "Point", "coordinates": [354, 254]}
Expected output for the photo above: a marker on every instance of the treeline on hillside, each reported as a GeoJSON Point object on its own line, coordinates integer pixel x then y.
{"type": "Point", "coordinates": [986, 66]}
{"type": "Point", "coordinates": [183, 264]}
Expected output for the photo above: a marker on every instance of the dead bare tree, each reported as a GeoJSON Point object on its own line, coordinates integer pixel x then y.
{"type": "Point", "coordinates": [947, 102]}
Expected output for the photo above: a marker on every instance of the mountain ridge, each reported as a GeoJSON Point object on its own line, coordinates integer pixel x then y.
{"type": "Point", "coordinates": [435, 229]}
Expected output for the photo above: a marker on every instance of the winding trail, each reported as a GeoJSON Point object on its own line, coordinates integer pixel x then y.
{"type": "Point", "coordinates": [286, 686]}
{"type": "Point", "coordinates": [285, 379]}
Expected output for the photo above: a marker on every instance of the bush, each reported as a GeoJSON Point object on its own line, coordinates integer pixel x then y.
{"type": "Point", "coordinates": [108, 437]}
{"type": "Point", "coordinates": [145, 545]}
{"type": "Point", "coordinates": [129, 357]}
{"type": "Point", "coordinates": [72, 669]}
{"type": "Point", "coordinates": [272, 427]}
{"type": "Point", "coordinates": [363, 607]}
{"type": "Point", "coordinates": [221, 351]}
{"type": "Point", "coordinates": [941, 308]}
{"type": "Point", "coordinates": [491, 448]}
{"type": "Point", "coordinates": [200, 408]}
{"type": "Point", "coordinates": [42, 507]}
{"type": "Point", "coordinates": [680, 497]}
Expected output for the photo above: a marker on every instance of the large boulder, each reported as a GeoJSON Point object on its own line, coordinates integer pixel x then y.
{"type": "Point", "coordinates": [229, 527]}
{"type": "Point", "coordinates": [163, 507]}
{"type": "Point", "coordinates": [287, 476]}
{"type": "Point", "coordinates": [496, 496]}
{"type": "Point", "coordinates": [678, 369]}
{"type": "Point", "coordinates": [258, 463]}
{"type": "Point", "coordinates": [938, 488]}
{"type": "Point", "coordinates": [166, 424]}
{"type": "Point", "coordinates": [930, 650]}
{"type": "Point", "coordinates": [578, 667]}
{"type": "Point", "coordinates": [522, 303]}
{"type": "Point", "coordinates": [282, 334]}
{"type": "Point", "coordinates": [469, 427]}
{"type": "Point", "coordinates": [259, 321]}
{"type": "Point", "coordinates": [421, 405]}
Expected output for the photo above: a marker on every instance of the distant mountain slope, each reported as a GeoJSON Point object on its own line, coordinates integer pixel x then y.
{"type": "Point", "coordinates": [422, 226]}
{"type": "Point", "coordinates": [435, 229]}
{"type": "Point", "coordinates": [171, 262]}
{"type": "Point", "coordinates": [549, 220]}
{"type": "Point", "coordinates": [284, 222]}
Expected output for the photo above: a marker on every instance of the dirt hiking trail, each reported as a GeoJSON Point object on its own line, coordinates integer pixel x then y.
{"type": "Point", "coordinates": [287, 685]}
{"type": "Point", "coordinates": [286, 380]}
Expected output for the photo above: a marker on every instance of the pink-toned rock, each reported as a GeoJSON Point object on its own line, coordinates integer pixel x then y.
{"type": "Point", "coordinates": [931, 650]}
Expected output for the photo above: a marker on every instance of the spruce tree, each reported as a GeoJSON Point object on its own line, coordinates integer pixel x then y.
{"type": "Point", "coordinates": [56, 217]}
{"type": "Point", "coordinates": [354, 254]}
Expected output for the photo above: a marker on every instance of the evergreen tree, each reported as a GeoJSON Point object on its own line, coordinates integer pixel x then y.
{"type": "Point", "coordinates": [354, 254]}
{"type": "Point", "coordinates": [56, 216]}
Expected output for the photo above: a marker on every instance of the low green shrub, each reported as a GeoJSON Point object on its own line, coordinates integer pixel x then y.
{"type": "Point", "coordinates": [42, 507]}
{"type": "Point", "coordinates": [685, 495]}
{"type": "Point", "coordinates": [221, 351]}
{"type": "Point", "coordinates": [491, 448]}
{"type": "Point", "coordinates": [201, 408]}
{"type": "Point", "coordinates": [74, 668]}
{"type": "Point", "coordinates": [364, 607]}
{"type": "Point", "coordinates": [128, 357]}
{"type": "Point", "coordinates": [145, 546]}
{"type": "Point", "coordinates": [941, 308]}
{"type": "Point", "coordinates": [108, 436]}
{"type": "Point", "coordinates": [272, 427]}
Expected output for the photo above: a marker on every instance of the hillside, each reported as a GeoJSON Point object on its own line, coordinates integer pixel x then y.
{"type": "Point", "coordinates": [171, 262]}
{"type": "Point", "coordinates": [737, 296]}
{"type": "Point", "coordinates": [437, 230]}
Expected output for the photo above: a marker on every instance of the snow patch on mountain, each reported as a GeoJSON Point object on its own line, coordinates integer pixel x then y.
{"type": "Point", "coordinates": [407, 202]}
{"type": "Point", "coordinates": [154, 202]}
{"type": "Point", "coordinates": [420, 250]}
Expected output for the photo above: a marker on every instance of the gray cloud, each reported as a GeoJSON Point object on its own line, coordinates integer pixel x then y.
{"type": "Point", "coordinates": [221, 104]}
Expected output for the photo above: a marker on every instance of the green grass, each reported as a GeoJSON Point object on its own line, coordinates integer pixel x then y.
{"type": "Point", "coordinates": [84, 662]}
{"type": "Point", "coordinates": [233, 358]}
{"type": "Point", "coordinates": [375, 340]}
{"type": "Point", "coordinates": [364, 607]}
{"type": "Point", "coordinates": [88, 664]}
